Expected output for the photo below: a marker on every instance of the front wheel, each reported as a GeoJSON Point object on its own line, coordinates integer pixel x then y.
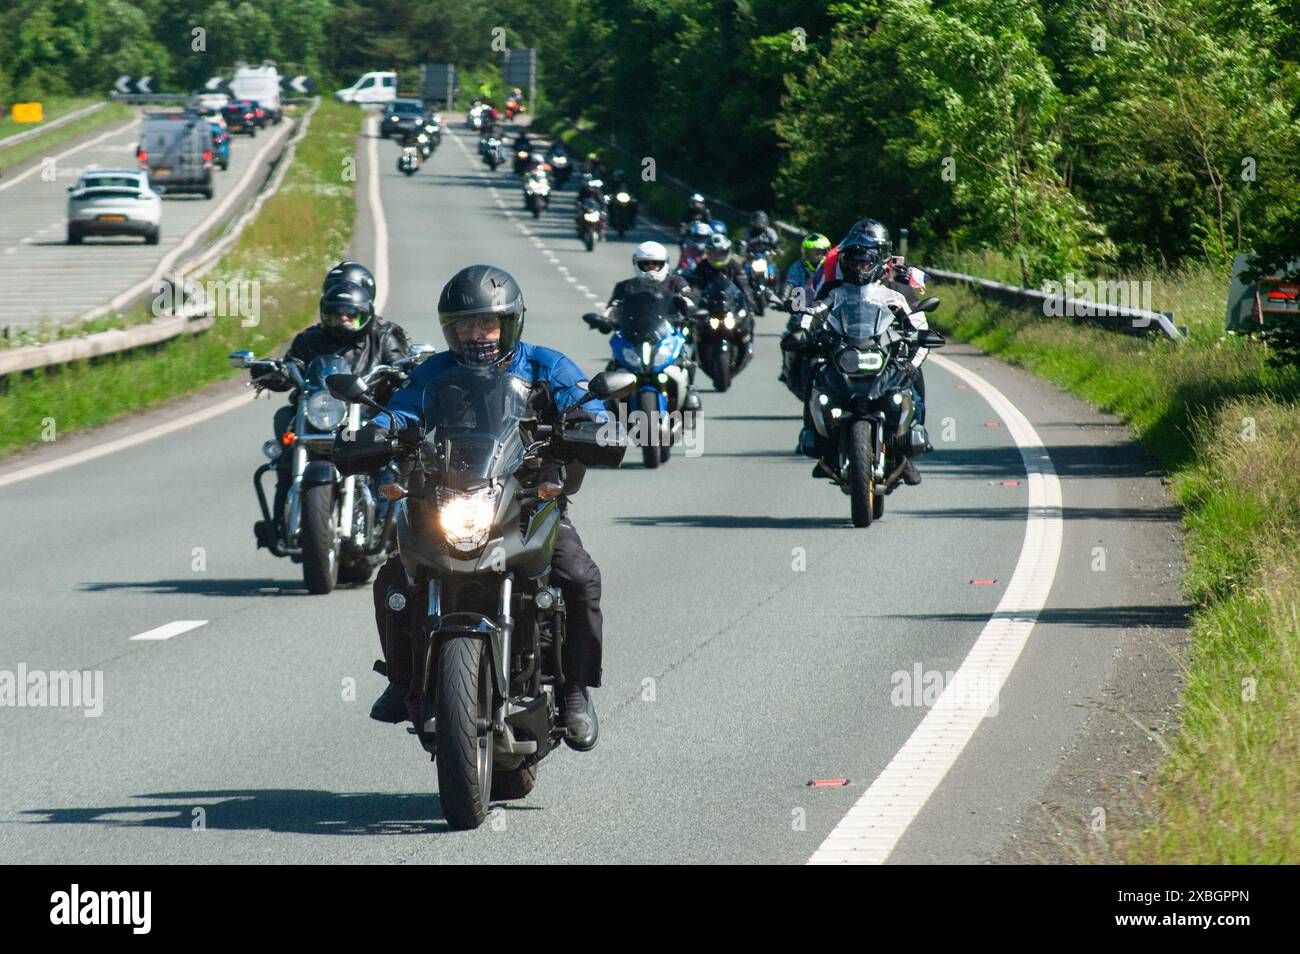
{"type": "Point", "coordinates": [464, 748]}
{"type": "Point", "coordinates": [320, 556]}
{"type": "Point", "coordinates": [513, 783]}
{"type": "Point", "coordinates": [648, 405]}
{"type": "Point", "coordinates": [721, 368]}
{"type": "Point", "coordinates": [589, 239]}
{"type": "Point", "coordinates": [862, 484]}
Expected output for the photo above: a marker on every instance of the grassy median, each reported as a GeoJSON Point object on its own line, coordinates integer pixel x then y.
{"type": "Point", "coordinates": [46, 142]}
{"type": "Point", "coordinates": [299, 233]}
{"type": "Point", "coordinates": [1225, 422]}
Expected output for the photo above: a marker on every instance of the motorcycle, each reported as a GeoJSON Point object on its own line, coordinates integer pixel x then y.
{"type": "Point", "coordinates": [474, 118]}
{"type": "Point", "coordinates": [724, 337]}
{"type": "Point", "coordinates": [328, 524]}
{"type": "Point", "coordinates": [521, 160]}
{"type": "Point", "coordinates": [622, 211]}
{"type": "Point", "coordinates": [492, 152]}
{"type": "Point", "coordinates": [591, 223]}
{"type": "Point", "coordinates": [646, 341]}
{"type": "Point", "coordinates": [409, 161]}
{"type": "Point", "coordinates": [561, 168]}
{"type": "Point", "coordinates": [760, 271]}
{"type": "Point", "coordinates": [537, 192]}
{"type": "Point", "coordinates": [860, 401]}
{"type": "Point", "coordinates": [489, 620]}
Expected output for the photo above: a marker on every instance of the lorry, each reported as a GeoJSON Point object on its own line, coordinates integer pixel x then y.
{"type": "Point", "coordinates": [260, 83]}
{"type": "Point", "coordinates": [377, 86]}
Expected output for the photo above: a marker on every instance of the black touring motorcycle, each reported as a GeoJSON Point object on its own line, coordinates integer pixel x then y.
{"type": "Point", "coordinates": [860, 413]}
{"type": "Point", "coordinates": [476, 542]}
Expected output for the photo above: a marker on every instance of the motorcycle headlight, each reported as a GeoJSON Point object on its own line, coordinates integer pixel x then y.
{"type": "Point", "coordinates": [522, 155]}
{"type": "Point", "coordinates": [760, 265]}
{"type": "Point", "coordinates": [325, 412]}
{"type": "Point", "coordinates": [631, 358]}
{"type": "Point", "coordinates": [714, 323]}
{"type": "Point", "coordinates": [623, 197]}
{"type": "Point", "coordinates": [729, 321]}
{"type": "Point", "coordinates": [591, 216]}
{"type": "Point", "coordinates": [855, 361]}
{"type": "Point", "coordinates": [663, 352]}
{"type": "Point", "coordinates": [466, 516]}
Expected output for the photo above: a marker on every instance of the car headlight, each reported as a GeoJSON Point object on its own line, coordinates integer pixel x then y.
{"type": "Point", "coordinates": [855, 361]}
{"type": "Point", "coordinates": [623, 197]}
{"type": "Point", "coordinates": [466, 516]}
{"type": "Point", "coordinates": [325, 412]}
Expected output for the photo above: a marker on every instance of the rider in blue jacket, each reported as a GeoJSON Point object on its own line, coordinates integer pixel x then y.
{"type": "Point", "coordinates": [481, 311]}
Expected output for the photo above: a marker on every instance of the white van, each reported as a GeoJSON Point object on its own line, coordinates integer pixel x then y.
{"type": "Point", "coordinates": [261, 83]}
{"type": "Point", "coordinates": [374, 87]}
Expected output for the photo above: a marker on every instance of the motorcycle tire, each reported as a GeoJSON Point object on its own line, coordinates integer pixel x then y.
{"type": "Point", "coordinates": [589, 240]}
{"type": "Point", "coordinates": [648, 405]}
{"type": "Point", "coordinates": [759, 305]}
{"type": "Point", "coordinates": [861, 456]}
{"type": "Point", "coordinates": [463, 709]}
{"type": "Point", "coordinates": [721, 370]}
{"type": "Point", "coordinates": [537, 210]}
{"type": "Point", "coordinates": [513, 783]}
{"type": "Point", "coordinates": [877, 506]}
{"type": "Point", "coordinates": [664, 453]}
{"type": "Point", "coordinates": [320, 558]}
{"type": "Point", "coordinates": [356, 571]}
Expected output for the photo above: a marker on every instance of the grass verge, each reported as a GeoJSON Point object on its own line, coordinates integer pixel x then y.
{"type": "Point", "coordinates": [299, 233]}
{"type": "Point", "coordinates": [46, 142]}
{"type": "Point", "coordinates": [1225, 423]}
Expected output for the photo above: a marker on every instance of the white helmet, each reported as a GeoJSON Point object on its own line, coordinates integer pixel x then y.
{"type": "Point", "coordinates": [651, 258]}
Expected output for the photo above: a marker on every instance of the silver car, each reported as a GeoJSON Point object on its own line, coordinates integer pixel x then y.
{"type": "Point", "coordinates": [113, 202]}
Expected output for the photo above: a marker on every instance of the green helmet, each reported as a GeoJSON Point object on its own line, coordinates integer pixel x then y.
{"type": "Point", "coordinates": [814, 249]}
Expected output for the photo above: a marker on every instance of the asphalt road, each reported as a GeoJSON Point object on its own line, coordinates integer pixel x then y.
{"type": "Point", "coordinates": [49, 281]}
{"type": "Point", "coordinates": [754, 639]}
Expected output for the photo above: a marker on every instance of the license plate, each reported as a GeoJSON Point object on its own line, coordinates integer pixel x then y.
{"type": "Point", "coordinates": [163, 172]}
{"type": "Point", "coordinates": [112, 218]}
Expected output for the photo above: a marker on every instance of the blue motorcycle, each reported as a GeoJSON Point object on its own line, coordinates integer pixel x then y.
{"type": "Point", "coordinates": [646, 339]}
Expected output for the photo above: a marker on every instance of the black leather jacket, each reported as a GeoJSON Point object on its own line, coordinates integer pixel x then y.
{"type": "Point", "coordinates": [383, 343]}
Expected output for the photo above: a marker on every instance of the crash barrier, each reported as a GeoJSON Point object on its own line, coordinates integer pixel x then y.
{"type": "Point", "coordinates": [192, 313]}
{"type": "Point", "coordinates": [50, 124]}
{"type": "Point", "coordinates": [1120, 318]}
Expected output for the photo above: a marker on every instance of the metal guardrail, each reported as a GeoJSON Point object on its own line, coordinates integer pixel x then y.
{"type": "Point", "coordinates": [50, 124]}
{"type": "Point", "coordinates": [1129, 320]}
{"type": "Point", "coordinates": [183, 320]}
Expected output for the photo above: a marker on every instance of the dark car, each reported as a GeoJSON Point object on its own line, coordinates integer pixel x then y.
{"type": "Point", "coordinates": [176, 151]}
{"type": "Point", "coordinates": [401, 116]}
{"type": "Point", "coordinates": [241, 116]}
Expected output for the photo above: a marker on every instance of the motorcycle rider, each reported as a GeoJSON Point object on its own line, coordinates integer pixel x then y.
{"type": "Point", "coordinates": [761, 236]}
{"type": "Point", "coordinates": [692, 247]}
{"type": "Point", "coordinates": [798, 292]}
{"type": "Point", "coordinates": [348, 328]}
{"type": "Point", "coordinates": [696, 211]}
{"type": "Point", "coordinates": [481, 311]}
{"type": "Point", "coordinates": [718, 260]}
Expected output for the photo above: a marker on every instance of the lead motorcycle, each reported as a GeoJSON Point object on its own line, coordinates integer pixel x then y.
{"type": "Point", "coordinates": [328, 524]}
{"type": "Point", "coordinates": [476, 543]}
{"type": "Point", "coordinates": [647, 341]}
{"type": "Point", "coordinates": [867, 351]}
{"type": "Point", "coordinates": [724, 331]}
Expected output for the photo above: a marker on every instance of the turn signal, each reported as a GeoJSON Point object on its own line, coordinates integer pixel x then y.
{"type": "Point", "coordinates": [288, 438]}
{"type": "Point", "coordinates": [549, 490]}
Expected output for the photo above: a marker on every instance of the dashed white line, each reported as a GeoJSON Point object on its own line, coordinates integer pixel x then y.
{"type": "Point", "coordinates": [174, 628]}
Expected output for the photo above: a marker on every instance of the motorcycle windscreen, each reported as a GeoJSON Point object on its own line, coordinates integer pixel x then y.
{"type": "Point", "coordinates": [472, 415]}
{"type": "Point", "coordinates": [646, 315]}
{"type": "Point", "coordinates": [722, 295]}
{"type": "Point", "coordinates": [323, 366]}
{"type": "Point", "coordinates": [858, 319]}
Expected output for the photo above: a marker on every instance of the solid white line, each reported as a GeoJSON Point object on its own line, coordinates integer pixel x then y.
{"type": "Point", "coordinates": [377, 216]}
{"type": "Point", "coordinates": [130, 440]}
{"type": "Point", "coordinates": [67, 152]}
{"type": "Point", "coordinates": [876, 822]}
{"type": "Point", "coordinates": [171, 629]}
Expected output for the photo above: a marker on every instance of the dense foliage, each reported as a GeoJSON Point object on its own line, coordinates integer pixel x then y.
{"type": "Point", "coordinates": [1068, 135]}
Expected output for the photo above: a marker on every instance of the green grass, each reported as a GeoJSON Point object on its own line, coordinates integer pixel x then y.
{"type": "Point", "coordinates": [53, 108]}
{"type": "Point", "coordinates": [299, 233]}
{"type": "Point", "coordinates": [45, 143]}
{"type": "Point", "coordinates": [1225, 423]}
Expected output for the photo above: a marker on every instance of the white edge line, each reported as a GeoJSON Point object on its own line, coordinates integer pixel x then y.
{"type": "Point", "coordinates": [871, 829]}
{"type": "Point", "coordinates": [377, 216]}
{"type": "Point", "coordinates": [171, 629]}
{"type": "Point", "coordinates": [67, 152]}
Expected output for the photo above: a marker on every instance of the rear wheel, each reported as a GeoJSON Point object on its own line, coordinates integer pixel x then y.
{"type": "Point", "coordinates": [862, 487]}
{"type": "Point", "coordinates": [74, 237]}
{"type": "Point", "coordinates": [648, 405]}
{"type": "Point", "coordinates": [464, 747]}
{"type": "Point", "coordinates": [513, 783]}
{"type": "Point", "coordinates": [320, 558]}
{"type": "Point", "coordinates": [151, 237]}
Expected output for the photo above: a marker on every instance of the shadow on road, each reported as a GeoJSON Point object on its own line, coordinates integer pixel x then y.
{"type": "Point", "coordinates": [736, 521]}
{"type": "Point", "coordinates": [1098, 617]}
{"type": "Point", "coordinates": [288, 811]}
{"type": "Point", "coordinates": [199, 585]}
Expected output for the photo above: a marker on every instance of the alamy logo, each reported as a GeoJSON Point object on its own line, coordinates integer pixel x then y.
{"type": "Point", "coordinates": [58, 689]}
{"type": "Point", "coordinates": [103, 907]}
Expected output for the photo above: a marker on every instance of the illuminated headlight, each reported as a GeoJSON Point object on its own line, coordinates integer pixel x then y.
{"type": "Point", "coordinates": [559, 161]}
{"type": "Point", "coordinates": [664, 352]}
{"type": "Point", "coordinates": [714, 323]}
{"type": "Point", "coordinates": [272, 450]}
{"type": "Point", "coordinates": [466, 517]}
{"type": "Point", "coordinates": [729, 322]}
{"type": "Point", "coordinates": [623, 197]}
{"type": "Point", "coordinates": [522, 155]}
{"type": "Point", "coordinates": [854, 361]}
{"type": "Point", "coordinates": [591, 216]}
{"type": "Point", "coordinates": [325, 412]}
{"type": "Point", "coordinates": [647, 353]}
{"type": "Point", "coordinates": [760, 265]}
{"type": "Point", "coordinates": [631, 358]}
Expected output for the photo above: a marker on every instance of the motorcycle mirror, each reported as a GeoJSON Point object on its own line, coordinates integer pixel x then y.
{"type": "Point", "coordinates": [796, 340]}
{"type": "Point", "coordinates": [612, 385]}
{"type": "Point", "coordinates": [240, 359]}
{"type": "Point", "coordinates": [594, 320]}
{"type": "Point", "coordinates": [929, 338]}
{"type": "Point", "coordinates": [420, 350]}
{"type": "Point", "coordinates": [930, 304]}
{"type": "Point", "coordinates": [351, 388]}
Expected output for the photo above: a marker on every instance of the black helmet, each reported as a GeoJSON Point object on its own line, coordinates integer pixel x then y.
{"type": "Point", "coordinates": [346, 310]}
{"type": "Point", "coordinates": [350, 272]}
{"type": "Point", "coordinates": [492, 296]}
{"type": "Point", "coordinates": [759, 219]}
{"type": "Point", "coordinates": [865, 252]}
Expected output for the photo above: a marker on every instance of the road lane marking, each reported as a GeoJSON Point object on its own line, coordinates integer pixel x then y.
{"type": "Point", "coordinates": [174, 628]}
{"type": "Point", "coordinates": [55, 158]}
{"type": "Point", "coordinates": [377, 216]}
{"type": "Point", "coordinates": [871, 829]}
